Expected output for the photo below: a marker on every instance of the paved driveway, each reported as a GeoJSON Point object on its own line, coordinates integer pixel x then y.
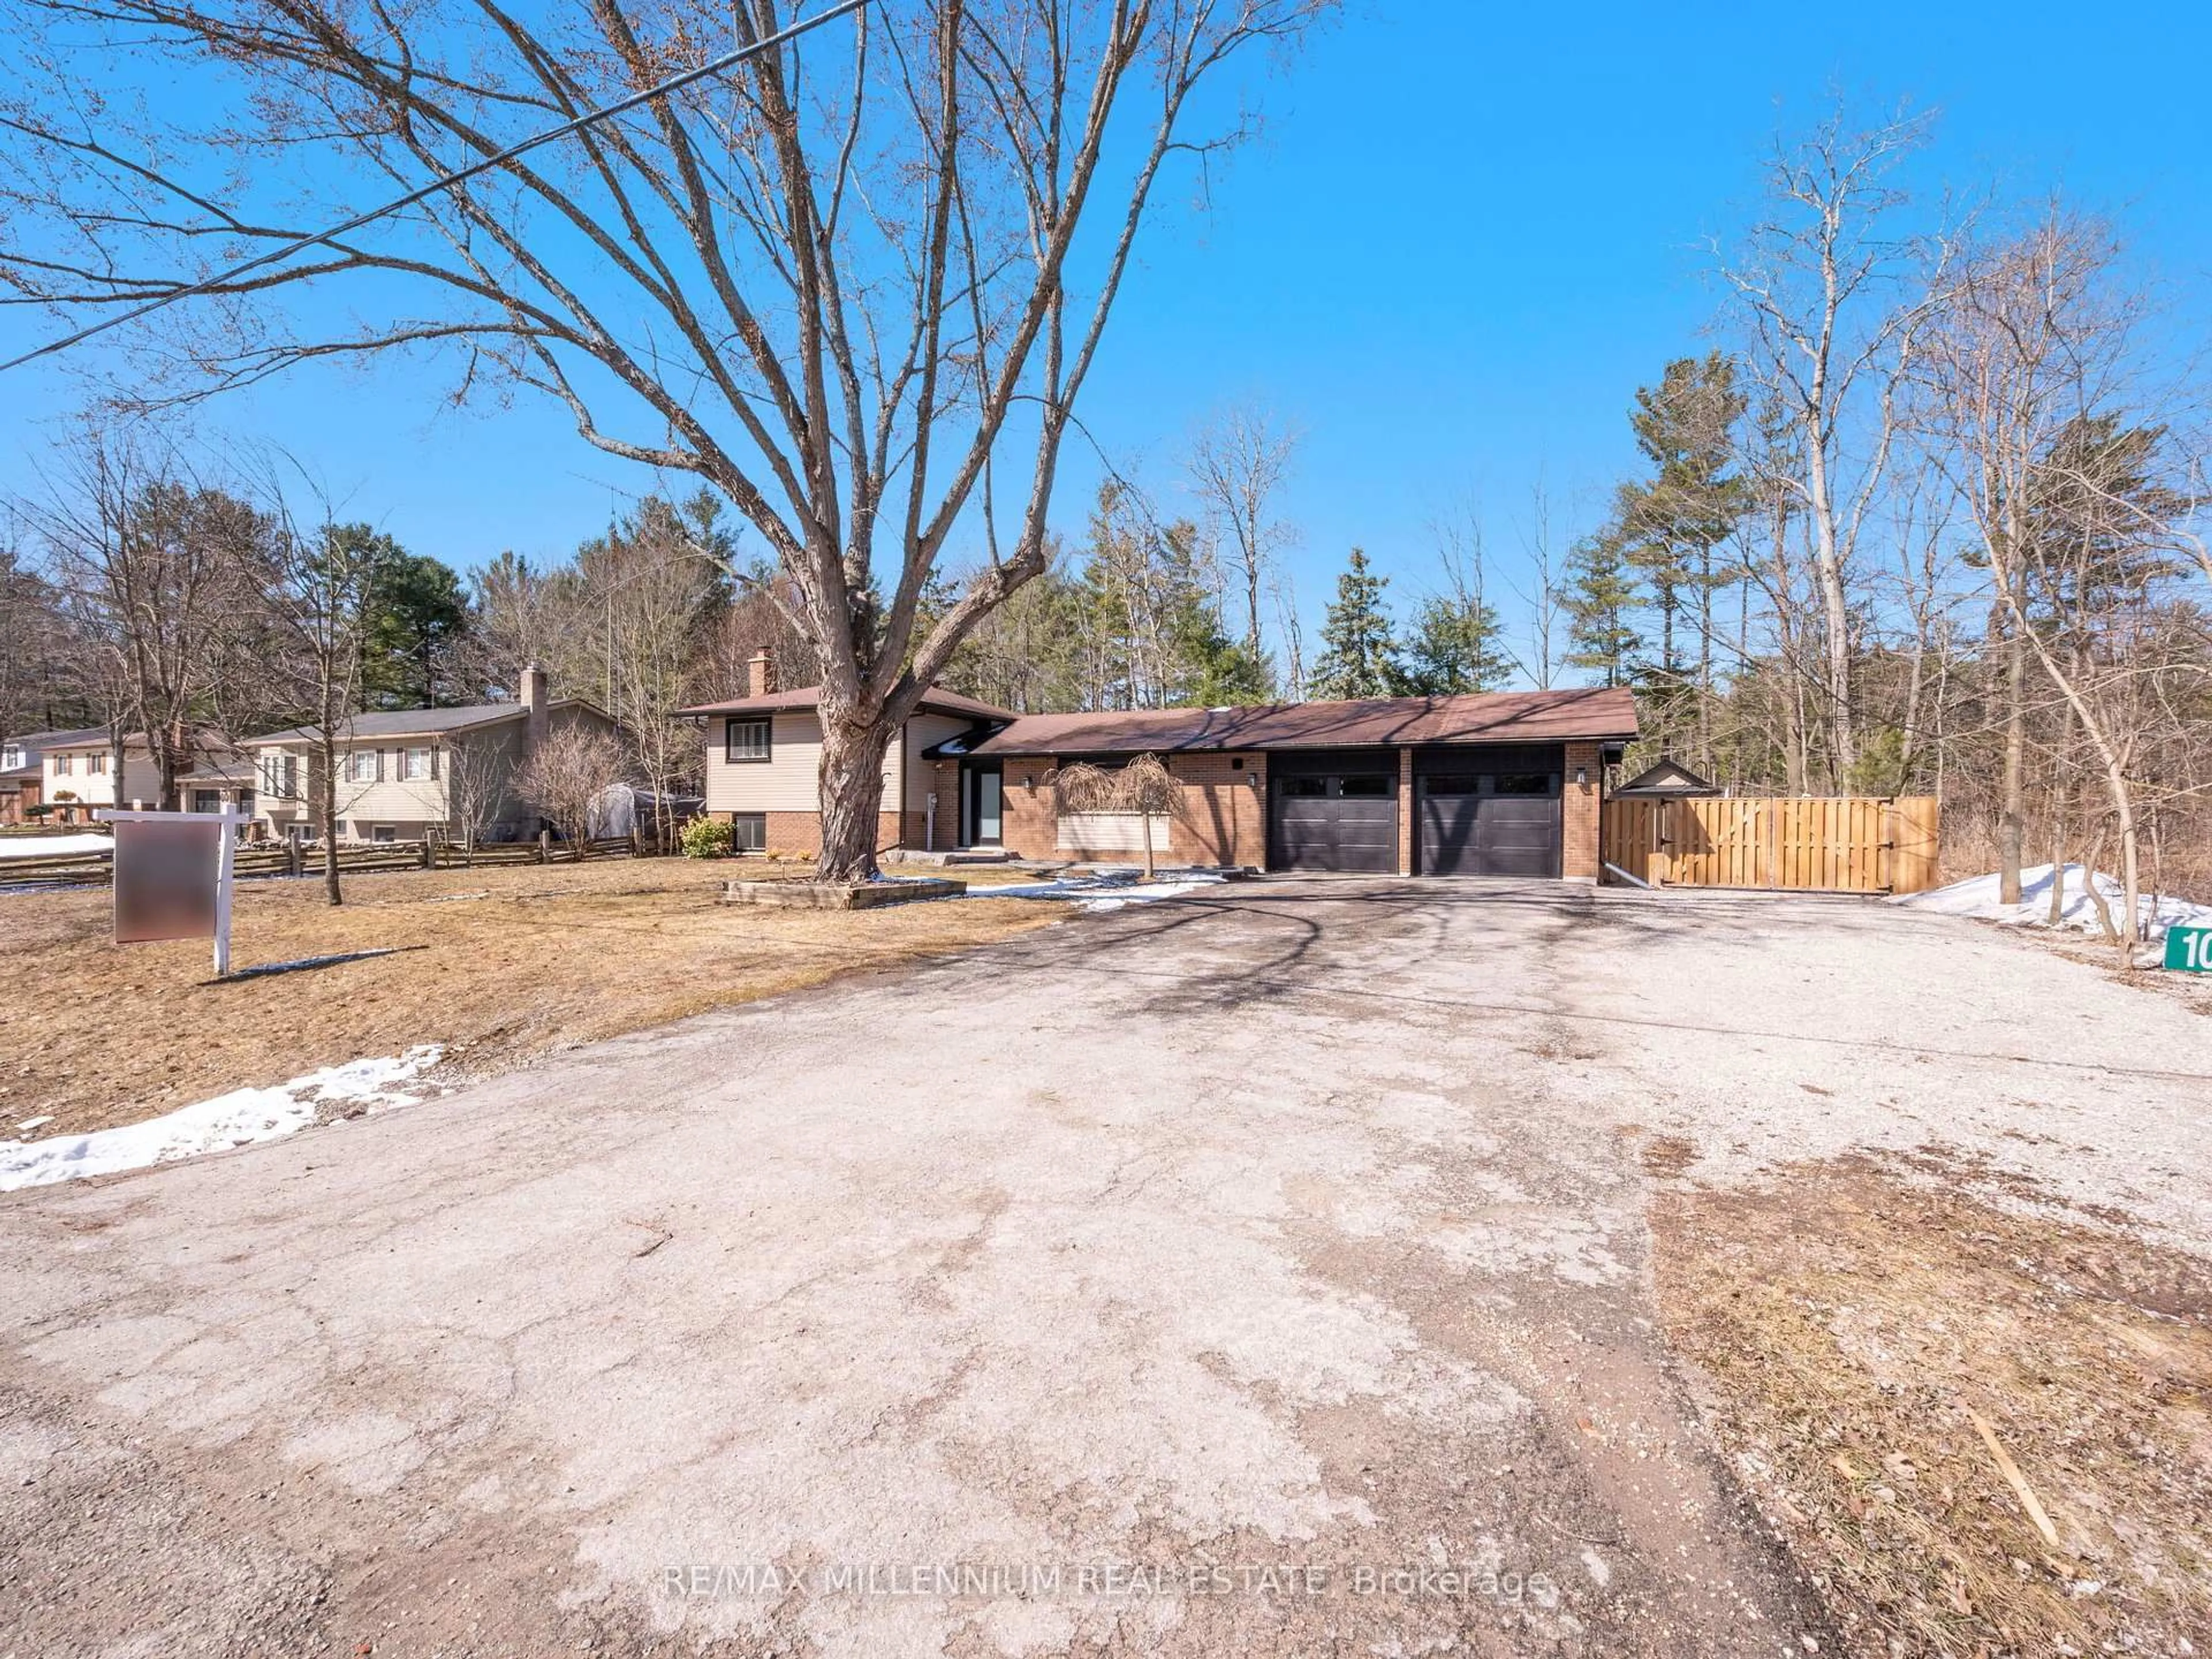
{"type": "Point", "coordinates": [1257, 1274]}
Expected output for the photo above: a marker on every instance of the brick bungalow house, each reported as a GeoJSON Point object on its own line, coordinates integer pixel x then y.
{"type": "Point", "coordinates": [1498, 783]}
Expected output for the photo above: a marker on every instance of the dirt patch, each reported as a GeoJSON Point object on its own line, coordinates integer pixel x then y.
{"type": "Point", "coordinates": [1904, 1376]}
{"type": "Point", "coordinates": [496, 965]}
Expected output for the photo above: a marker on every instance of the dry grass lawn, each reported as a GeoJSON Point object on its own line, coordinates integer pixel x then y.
{"type": "Point", "coordinates": [1851, 1326]}
{"type": "Point", "coordinates": [494, 964]}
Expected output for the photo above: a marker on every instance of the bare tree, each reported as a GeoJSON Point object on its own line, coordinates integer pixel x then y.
{"type": "Point", "coordinates": [2037, 407]}
{"type": "Point", "coordinates": [564, 773]}
{"type": "Point", "coordinates": [1538, 659]}
{"type": "Point", "coordinates": [157, 569]}
{"type": "Point", "coordinates": [845, 299]}
{"type": "Point", "coordinates": [1237, 468]}
{"type": "Point", "coordinates": [1142, 786]}
{"type": "Point", "coordinates": [652, 585]}
{"type": "Point", "coordinates": [477, 778]}
{"type": "Point", "coordinates": [319, 586]}
{"type": "Point", "coordinates": [1831, 296]}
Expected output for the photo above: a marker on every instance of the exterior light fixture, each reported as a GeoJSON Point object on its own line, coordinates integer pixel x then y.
{"type": "Point", "coordinates": [1582, 776]}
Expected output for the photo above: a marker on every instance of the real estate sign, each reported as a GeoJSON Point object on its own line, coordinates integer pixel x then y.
{"type": "Point", "coordinates": [172, 876]}
{"type": "Point", "coordinates": [2189, 948]}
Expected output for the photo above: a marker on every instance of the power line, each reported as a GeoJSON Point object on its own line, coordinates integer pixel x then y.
{"type": "Point", "coordinates": [714, 66]}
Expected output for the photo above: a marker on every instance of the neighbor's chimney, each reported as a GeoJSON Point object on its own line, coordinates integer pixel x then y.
{"type": "Point", "coordinates": [759, 673]}
{"type": "Point", "coordinates": [533, 701]}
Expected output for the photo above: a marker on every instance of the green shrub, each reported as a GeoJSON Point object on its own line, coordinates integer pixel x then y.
{"type": "Point", "coordinates": [707, 838]}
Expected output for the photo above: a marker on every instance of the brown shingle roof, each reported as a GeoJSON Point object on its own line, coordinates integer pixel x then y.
{"type": "Point", "coordinates": [937, 698]}
{"type": "Point", "coordinates": [1483, 717]}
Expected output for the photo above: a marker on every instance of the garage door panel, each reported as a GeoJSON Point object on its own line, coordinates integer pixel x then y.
{"type": "Point", "coordinates": [1490, 823]}
{"type": "Point", "coordinates": [1335, 822]}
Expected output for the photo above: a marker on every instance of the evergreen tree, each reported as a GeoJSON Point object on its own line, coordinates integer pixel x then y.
{"type": "Point", "coordinates": [1669, 523]}
{"type": "Point", "coordinates": [419, 615]}
{"type": "Point", "coordinates": [1456, 648]}
{"type": "Point", "coordinates": [1601, 600]}
{"type": "Point", "coordinates": [1360, 646]}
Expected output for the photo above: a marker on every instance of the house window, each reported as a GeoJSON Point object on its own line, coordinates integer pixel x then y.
{"type": "Point", "coordinates": [10, 758]}
{"type": "Point", "coordinates": [382, 832]}
{"type": "Point", "coordinates": [207, 800]}
{"type": "Point", "coordinates": [280, 776]}
{"type": "Point", "coordinates": [363, 765]}
{"type": "Point", "coordinates": [746, 740]}
{"type": "Point", "coordinates": [749, 832]}
{"type": "Point", "coordinates": [95, 765]}
{"type": "Point", "coordinates": [416, 764]}
{"type": "Point", "coordinates": [61, 765]}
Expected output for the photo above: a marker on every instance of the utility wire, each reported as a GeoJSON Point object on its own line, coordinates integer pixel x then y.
{"type": "Point", "coordinates": [712, 67]}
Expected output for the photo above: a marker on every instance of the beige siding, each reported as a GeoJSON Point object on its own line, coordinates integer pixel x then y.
{"type": "Point", "coordinates": [142, 781]}
{"type": "Point", "coordinates": [790, 781]}
{"type": "Point", "coordinates": [925, 731]}
{"type": "Point", "coordinates": [390, 799]}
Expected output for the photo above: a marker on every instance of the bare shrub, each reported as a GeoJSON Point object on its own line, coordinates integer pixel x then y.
{"type": "Point", "coordinates": [1144, 787]}
{"type": "Point", "coordinates": [562, 774]}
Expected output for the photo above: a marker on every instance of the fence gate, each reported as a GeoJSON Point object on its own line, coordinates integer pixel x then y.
{"type": "Point", "coordinates": [1812, 844]}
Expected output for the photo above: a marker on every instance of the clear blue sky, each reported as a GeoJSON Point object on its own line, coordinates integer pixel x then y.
{"type": "Point", "coordinates": [1469, 234]}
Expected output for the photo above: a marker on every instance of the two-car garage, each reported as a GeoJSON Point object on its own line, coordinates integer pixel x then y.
{"type": "Point", "coordinates": [1478, 809]}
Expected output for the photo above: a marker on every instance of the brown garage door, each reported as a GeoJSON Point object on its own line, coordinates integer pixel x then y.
{"type": "Point", "coordinates": [1489, 812]}
{"type": "Point", "coordinates": [1333, 811]}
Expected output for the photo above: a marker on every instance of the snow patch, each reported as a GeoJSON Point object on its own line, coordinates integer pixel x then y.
{"type": "Point", "coordinates": [53, 847]}
{"type": "Point", "coordinates": [1977, 897]}
{"type": "Point", "coordinates": [1101, 893]}
{"type": "Point", "coordinates": [237, 1119]}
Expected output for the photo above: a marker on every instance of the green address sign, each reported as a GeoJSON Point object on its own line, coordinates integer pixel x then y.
{"type": "Point", "coordinates": [2189, 948]}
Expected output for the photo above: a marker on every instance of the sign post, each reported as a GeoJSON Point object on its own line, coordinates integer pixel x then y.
{"type": "Point", "coordinates": [2189, 948]}
{"type": "Point", "coordinates": [174, 872]}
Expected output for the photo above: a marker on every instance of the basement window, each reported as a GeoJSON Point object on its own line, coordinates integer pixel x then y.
{"type": "Point", "coordinates": [749, 832]}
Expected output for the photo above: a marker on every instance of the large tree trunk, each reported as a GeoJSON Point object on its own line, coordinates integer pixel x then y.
{"type": "Point", "coordinates": [327, 789]}
{"type": "Point", "coordinates": [2012, 822]}
{"type": "Point", "coordinates": [852, 787]}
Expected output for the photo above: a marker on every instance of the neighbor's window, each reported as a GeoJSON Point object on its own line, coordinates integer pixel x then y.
{"type": "Point", "coordinates": [361, 766]}
{"type": "Point", "coordinates": [749, 832]}
{"type": "Point", "coordinates": [278, 775]}
{"type": "Point", "coordinates": [416, 764]}
{"type": "Point", "coordinates": [746, 740]}
{"type": "Point", "coordinates": [10, 758]}
{"type": "Point", "coordinates": [382, 832]}
{"type": "Point", "coordinates": [95, 765]}
{"type": "Point", "coordinates": [61, 765]}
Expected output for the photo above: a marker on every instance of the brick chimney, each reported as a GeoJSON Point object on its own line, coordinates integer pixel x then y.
{"type": "Point", "coordinates": [759, 673]}
{"type": "Point", "coordinates": [533, 703]}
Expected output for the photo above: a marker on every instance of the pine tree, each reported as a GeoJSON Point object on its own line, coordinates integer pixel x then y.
{"type": "Point", "coordinates": [1360, 646]}
{"type": "Point", "coordinates": [1600, 601]}
{"type": "Point", "coordinates": [1454, 649]}
{"type": "Point", "coordinates": [1669, 524]}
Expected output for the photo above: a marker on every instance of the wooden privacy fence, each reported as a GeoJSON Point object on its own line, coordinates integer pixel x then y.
{"type": "Point", "coordinates": [1811, 844]}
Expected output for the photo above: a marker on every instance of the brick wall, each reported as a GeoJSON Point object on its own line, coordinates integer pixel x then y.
{"type": "Point", "coordinates": [1223, 817]}
{"type": "Point", "coordinates": [1578, 805]}
{"type": "Point", "coordinates": [1029, 825]}
{"type": "Point", "coordinates": [1405, 812]}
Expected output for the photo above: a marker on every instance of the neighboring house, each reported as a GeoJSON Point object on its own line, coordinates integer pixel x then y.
{"type": "Point", "coordinates": [406, 772]}
{"type": "Point", "coordinates": [1667, 780]}
{"type": "Point", "coordinates": [77, 774]}
{"type": "Point", "coordinates": [24, 774]}
{"type": "Point", "coordinates": [1502, 783]}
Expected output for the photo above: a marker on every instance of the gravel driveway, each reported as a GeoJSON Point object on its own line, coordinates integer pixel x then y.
{"type": "Point", "coordinates": [1261, 1273]}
